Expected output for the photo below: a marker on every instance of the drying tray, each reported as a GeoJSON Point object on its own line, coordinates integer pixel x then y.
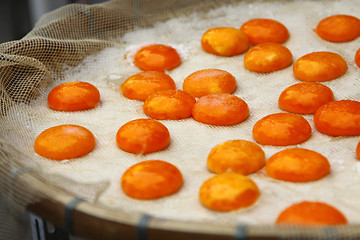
{"type": "Point", "coordinates": [67, 36]}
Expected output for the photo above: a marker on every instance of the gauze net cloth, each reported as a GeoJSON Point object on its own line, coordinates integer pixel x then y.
{"type": "Point", "coordinates": [96, 44]}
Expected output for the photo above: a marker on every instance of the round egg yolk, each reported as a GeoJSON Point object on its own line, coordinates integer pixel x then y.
{"type": "Point", "coordinates": [151, 179]}
{"type": "Point", "coordinates": [224, 41]}
{"type": "Point", "coordinates": [142, 136]}
{"type": "Point", "coordinates": [237, 156]}
{"type": "Point", "coordinates": [311, 213]}
{"type": "Point", "coordinates": [357, 57]}
{"type": "Point", "coordinates": [157, 57]}
{"type": "Point", "coordinates": [73, 96]}
{"type": "Point", "coordinates": [141, 85]}
{"type": "Point", "coordinates": [281, 129]}
{"type": "Point", "coordinates": [209, 81]}
{"type": "Point", "coordinates": [358, 151]}
{"type": "Point", "coordinates": [169, 104]}
{"type": "Point", "coordinates": [338, 118]}
{"type": "Point", "coordinates": [267, 57]}
{"type": "Point", "coordinates": [319, 67]}
{"type": "Point", "coordinates": [220, 109]}
{"type": "Point", "coordinates": [64, 142]}
{"type": "Point", "coordinates": [338, 28]}
{"type": "Point", "coordinates": [228, 192]}
{"type": "Point", "coordinates": [262, 30]}
{"type": "Point", "coordinates": [305, 98]}
{"type": "Point", "coordinates": [297, 165]}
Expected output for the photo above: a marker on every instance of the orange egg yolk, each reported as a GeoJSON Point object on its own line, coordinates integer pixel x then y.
{"type": "Point", "coordinates": [357, 57]}
{"type": "Point", "coordinates": [261, 30]}
{"type": "Point", "coordinates": [267, 57]}
{"type": "Point", "coordinates": [228, 192]}
{"type": "Point", "coordinates": [151, 179]}
{"type": "Point", "coordinates": [338, 118]}
{"type": "Point", "coordinates": [281, 129]}
{"type": "Point", "coordinates": [157, 57]}
{"type": "Point", "coordinates": [311, 214]}
{"type": "Point", "coordinates": [305, 97]}
{"type": "Point", "coordinates": [319, 67]}
{"type": "Point", "coordinates": [142, 136]}
{"type": "Point", "coordinates": [209, 81]}
{"type": "Point", "coordinates": [220, 109]}
{"type": "Point", "coordinates": [170, 105]}
{"type": "Point", "coordinates": [339, 28]}
{"type": "Point", "coordinates": [237, 156]}
{"type": "Point", "coordinates": [73, 96]}
{"type": "Point", "coordinates": [224, 41]}
{"type": "Point", "coordinates": [297, 165]}
{"type": "Point", "coordinates": [141, 85]}
{"type": "Point", "coordinates": [64, 142]}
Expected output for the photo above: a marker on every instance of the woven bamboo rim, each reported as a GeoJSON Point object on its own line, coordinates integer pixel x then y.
{"type": "Point", "coordinates": [91, 221]}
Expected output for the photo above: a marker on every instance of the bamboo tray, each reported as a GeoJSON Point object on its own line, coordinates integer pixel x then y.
{"type": "Point", "coordinates": [40, 56]}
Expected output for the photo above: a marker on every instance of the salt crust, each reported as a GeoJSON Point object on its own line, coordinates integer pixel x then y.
{"type": "Point", "coordinates": [192, 141]}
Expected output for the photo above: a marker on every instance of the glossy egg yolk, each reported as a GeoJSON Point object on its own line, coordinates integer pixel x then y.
{"type": "Point", "coordinates": [64, 142]}
{"type": "Point", "coordinates": [224, 41]}
{"type": "Point", "coordinates": [237, 156]}
{"type": "Point", "coordinates": [319, 67]}
{"type": "Point", "coordinates": [267, 57]}
{"type": "Point", "coordinates": [73, 96]}
{"type": "Point", "coordinates": [220, 109]}
{"type": "Point", "coordinates": [305, 97]}
{"type": "Point", "coordinates": [297, 165]}
{"type": "Point", "coordinates": [311, 213]}
{"type": "Point", "coordinates": [281, 129]}
{"type": "Point", "coordinates": [262, 30]}
{"type": "Point", "coordinates": [142, 136]}
{"type": "Point", "coordinates": [357, 57]}
{"type": "Point", "coordinates": [209, 81]}
{"type": "Point", "coordinates": [228, 192]}
{"type": "Point", "coordinates": [339, 28]}
{"type": "Point", "coordinates": [338, 118]}
{"type": "Point", "coordinates": [141, 85]}
{"type": "Point", "coordinates": [170, 105]}
{"type": "Point", "coordinates": [157, 57]}
{"type": "Point", "coordinates": [151, 179]}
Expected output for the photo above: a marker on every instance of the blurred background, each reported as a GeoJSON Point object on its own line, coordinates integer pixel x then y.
{"type": "Point", "coordinates": [17, 17]}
